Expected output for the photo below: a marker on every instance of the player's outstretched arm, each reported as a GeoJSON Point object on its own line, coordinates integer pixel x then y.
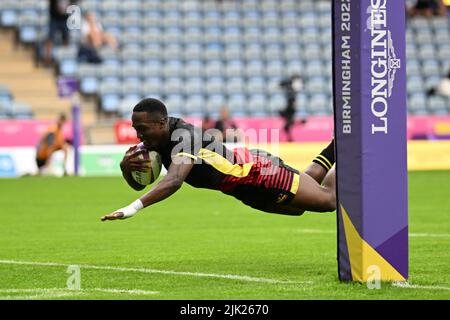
{"type": "Point", "coordinates": [176, 174]}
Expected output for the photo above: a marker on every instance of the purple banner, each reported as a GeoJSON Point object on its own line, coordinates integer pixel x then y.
{"type": "Point", "coordinates": [370, 131]}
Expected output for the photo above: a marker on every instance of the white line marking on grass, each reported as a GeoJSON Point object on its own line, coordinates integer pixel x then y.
{"type": "Point", "coordinates": [406, 285]}
{"type": "Point", "coordinates": [170, 272]}
{"type": "Point", "coordinates": [411, 235]}
{"type": "Point", "coordinates": [78, 292]}
{"type": "Point", "coordinates": [430, 235]}
{"type": "Point", "coordinates": [40, 295]}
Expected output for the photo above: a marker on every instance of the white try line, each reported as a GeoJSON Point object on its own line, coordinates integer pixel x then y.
{"type": "Point", "coordinates": [146, 270]}
{"type": "Point", "coordinates": [411, 235]}
{"type": "Point", "coordinates": [406, 285]}
{"type": "Point", "coordinates": [54, 292]}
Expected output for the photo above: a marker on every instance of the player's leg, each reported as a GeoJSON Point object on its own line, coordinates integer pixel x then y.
{"type": "Point", "coordinates": [283, 209]}
{"type": "Point", "coordinates": [321, 164]}
{"type": "Point", "coordinates": [311, 196]}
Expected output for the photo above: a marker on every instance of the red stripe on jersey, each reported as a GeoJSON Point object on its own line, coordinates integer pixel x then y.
{"type": "Point", "coordinates": [282, 179]}
{"type": "Point", "coordinates": [287, 186]}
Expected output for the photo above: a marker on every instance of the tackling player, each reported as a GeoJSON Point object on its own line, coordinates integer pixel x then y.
{"type": "Point", "coordinates": [257, 178]}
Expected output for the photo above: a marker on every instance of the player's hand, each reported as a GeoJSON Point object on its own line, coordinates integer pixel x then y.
{"type": "Point", "coordinates": [113, 216]}
{"type": "Point", "coordinates": [131, 163]}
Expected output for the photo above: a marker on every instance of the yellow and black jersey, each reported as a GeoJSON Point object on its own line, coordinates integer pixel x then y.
{"type": "Point", "coordinates": [253, 176]}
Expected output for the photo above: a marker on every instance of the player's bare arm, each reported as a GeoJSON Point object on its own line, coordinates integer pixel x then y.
{"type": "Point", "coordinates": [173, 181]}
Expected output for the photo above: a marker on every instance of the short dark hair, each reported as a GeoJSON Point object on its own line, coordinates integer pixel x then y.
{"type": "Point", "coordinates": [155, 108]}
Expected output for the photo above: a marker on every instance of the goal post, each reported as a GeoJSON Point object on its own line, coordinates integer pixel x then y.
{"type": "Point", "coordinates": [369, 87]}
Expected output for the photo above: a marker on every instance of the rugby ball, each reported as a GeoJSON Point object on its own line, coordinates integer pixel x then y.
{"type": "Point", "coordinates": [152, 173]}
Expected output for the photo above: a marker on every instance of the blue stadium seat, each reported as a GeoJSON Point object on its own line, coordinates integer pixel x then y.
{"type": "Point", "coordinates": [274, 68]}
{"type": "Point", "coordinates": [214, 85]}
{"type": "Point", "coordinates": [194, 85]}
{"type": "Point", "coordinates": [193, 51]}
{"type": "Point", "coordinates": [417, 103]}
{"type": "Point", "coordinates": [255, 85]}
{"type": "Point", "coordinates": [132, 88]}
{"type": "Point", "coordinates": [257, 104]}
{"type": "Point", "coordinates": [273, 85]}
{"type": "Point", "coordinates": [214, 68]}
{"type": "Point", "coordinates": [173, 86]}
{"type": "Point", "coordinates": [172, 51]}
{"type": "Point", "coordinates": [174, 103]}
{"type": "Point", "coordinates": [232, 35]}
{"type": "Point", "coordinates": [172, 35]}
{"type": "Point", "coordinates": [234, 86]}
{"type": "Point", "coordinates": [234, 68]}
{"type": "Point", "coordinates": [173, 68]}
{"type": "Point", "coordinates": [319, 104]}
{"type": "Point", "coordinates": [437, 105]}
{"type": "Point", "coordinates": [430, 68]}
{"type": "Point", "coordinates": [254, 69]}
{"type": "Point", "coordinates": [213, 104]}
{"type": "Point", "coordinates": [233, 52]}
{"type": "Point", "coordinates": [193, 68]}
{"type": "Point", "coordinates": [253, 52]}
{"type": "Point", "coordinates": [88, 75]}
{"type": "Point", "coordinates": [276, 103]}
{"type": "Point", "coordinates": [415, 84]}
{"type": "Point", "coordinates": [271, 35]}
{"type": "Point", "coordinates": [237, 105]}
{"type": "Point", "coordinates": [316, 84]}
{"type": "Point", "coordinates": [213, 52]}
{"type": "Point", "coordinates": [110, 95]}
{"type": "Point", "coordinates": [152, 86]}
{"type": "Point", "coordinates": [195, 105]}
{"type": "Point", "coordinates": [270, 19]}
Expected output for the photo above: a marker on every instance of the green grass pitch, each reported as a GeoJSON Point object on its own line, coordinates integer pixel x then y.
{"type": "Point", "coordinates": [198, 244]}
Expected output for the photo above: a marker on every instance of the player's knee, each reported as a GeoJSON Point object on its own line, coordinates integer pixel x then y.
{"type": "Point", "coordinates": [328, 203]}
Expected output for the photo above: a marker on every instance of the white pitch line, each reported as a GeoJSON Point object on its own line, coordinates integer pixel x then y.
{"type": "Point", "coordinates": [39, 296]}
{"type": "Point", "coordinates": [411, 235]}
{"type": "Point", "coordinates": [77, 292]}
{"type": "Point", "coordinates": [406, 285]}
{"type": "Point", "coordinates": [170, 272]}
{"type": "Point", "coordinates": [430, 235]}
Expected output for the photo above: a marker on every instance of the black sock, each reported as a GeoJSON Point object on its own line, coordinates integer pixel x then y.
{"type": "Point", "coordinates": [326, 157]}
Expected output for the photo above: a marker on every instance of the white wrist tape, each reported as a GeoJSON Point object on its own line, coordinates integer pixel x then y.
{"type": "Point", "coordinates": [131, 210]}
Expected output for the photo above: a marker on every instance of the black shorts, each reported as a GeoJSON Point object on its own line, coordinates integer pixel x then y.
{"type": "Point", "coordinates": [262, 190]}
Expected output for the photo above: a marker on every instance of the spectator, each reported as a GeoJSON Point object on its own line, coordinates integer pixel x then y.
{"type": "Point", "coordinates": [51, 141]}
{"type": "Point", "coordinates": [291, 87]}
{"type": "Point", "coordinates": [58, 30]}
{"type": "Point", "coordinates": [227, 127]}
{"type": "Point", "coordinates": [207, 123]}
{"type": "Point", "coordinates": [92, 39]}
{"type": "Point", "coordinates": [427, 8]}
